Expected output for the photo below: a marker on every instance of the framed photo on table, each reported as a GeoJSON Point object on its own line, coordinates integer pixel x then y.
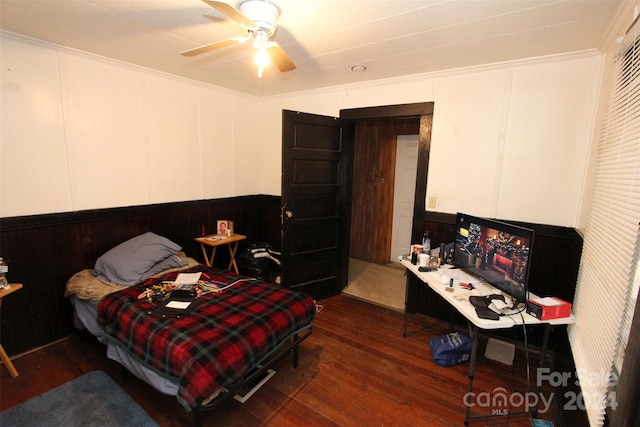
{"type": "Point", "coordinates": [224, 227]}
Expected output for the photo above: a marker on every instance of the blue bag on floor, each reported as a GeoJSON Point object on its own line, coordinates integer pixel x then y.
{"type": "Point", "coordinates": [451, 349]}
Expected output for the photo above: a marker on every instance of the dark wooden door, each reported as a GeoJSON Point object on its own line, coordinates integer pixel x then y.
{"type": "Point", "coordinates": [315, 189]}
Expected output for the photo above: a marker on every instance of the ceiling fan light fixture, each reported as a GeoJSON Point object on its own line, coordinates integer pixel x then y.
{"type": "Point", "coordinates": [260, 44]}
{"type": "Point", "coordinates": [262, 13]}
{"type": "Point", "coordinates": [260, 19]}
{"type": "Point", "coordinates": [262, 60]}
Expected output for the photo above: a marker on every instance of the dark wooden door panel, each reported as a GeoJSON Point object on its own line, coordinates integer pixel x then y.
{"type": "Point", "coordinates": [318, 237]}
{"type": "Point", "coordinates": [315, 172]}
{"type": "Point", "coordinates": [315, 273]}
{"type": "Point", "coordinates": [314, 196]}
{"type": "Point", "coordinates": [317, 136]}
{"type": "Point", "coordinates": [316, 205]}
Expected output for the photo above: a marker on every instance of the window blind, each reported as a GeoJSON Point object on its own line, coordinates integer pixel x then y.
{"type": "Point", "coordinates": [607, 270]}
{"type": "Point", "coordinates": [630, 304]}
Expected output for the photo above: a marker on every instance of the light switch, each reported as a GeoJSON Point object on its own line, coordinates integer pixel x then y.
{"type": "Point", "coordinates": [431, 203]}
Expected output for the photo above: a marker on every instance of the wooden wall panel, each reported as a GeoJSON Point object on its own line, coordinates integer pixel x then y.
{"type": "Point", "coordinates": [43, 251]}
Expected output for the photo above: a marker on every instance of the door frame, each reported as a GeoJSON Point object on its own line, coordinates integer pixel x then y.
{"type": "Point", "coordinates": [422, 110]}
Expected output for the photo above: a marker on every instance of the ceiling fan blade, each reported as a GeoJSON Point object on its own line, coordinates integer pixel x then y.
{"type": "Point", "coordinates": [213, 46]}
{"type": "Point", "coordinates": [280, 58]}
{"type": "Point", "coordinates": [231, 12]}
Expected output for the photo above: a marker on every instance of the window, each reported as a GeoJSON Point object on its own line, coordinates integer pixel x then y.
{"type": "Point", "coordinates": [607, 279]}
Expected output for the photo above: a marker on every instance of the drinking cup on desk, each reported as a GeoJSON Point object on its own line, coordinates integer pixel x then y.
{"type": "Point", "coordinates": [423, 259]}
{"type": "Point", "coordinates": [415, 250]}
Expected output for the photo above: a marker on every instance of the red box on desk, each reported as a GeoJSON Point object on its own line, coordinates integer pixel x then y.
{"type": "Point", "coordinates": [548, 308]}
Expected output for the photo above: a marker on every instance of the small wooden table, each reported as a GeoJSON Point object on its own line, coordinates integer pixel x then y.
{"type": "Point", "coordinates": [3, 354]}
{"type": "Point", "coordinates": [216, 240]}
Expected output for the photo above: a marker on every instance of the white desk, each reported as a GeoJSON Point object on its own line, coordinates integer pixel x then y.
{"type": "Point", "coordinates": [458, 299]}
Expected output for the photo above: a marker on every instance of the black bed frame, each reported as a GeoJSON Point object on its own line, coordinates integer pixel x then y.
{"type": "Point", "coordinates": [290, 346]}
{"type": "Point", "coordinates": [254, 374]}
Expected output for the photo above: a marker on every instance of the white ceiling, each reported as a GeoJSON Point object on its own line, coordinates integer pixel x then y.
{"type": "Point", "coordinates": [324, 38]}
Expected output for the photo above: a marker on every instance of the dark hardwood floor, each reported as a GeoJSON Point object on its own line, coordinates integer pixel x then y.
{"type": "Point", "coordinates": [355, 369]}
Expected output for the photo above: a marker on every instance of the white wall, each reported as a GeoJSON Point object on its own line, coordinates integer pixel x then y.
{"type": "Point", "coordinates": [508, 141]}
{"type": "Point", "coordinates": [81, 132]}
{"type": "Point", "coordinates": [34, 173]}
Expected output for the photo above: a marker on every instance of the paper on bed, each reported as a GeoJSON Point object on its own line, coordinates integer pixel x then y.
{"type": "Point", "coordinates": [178, 305]}
{"type": "Point", "coordinates": [187, 279]}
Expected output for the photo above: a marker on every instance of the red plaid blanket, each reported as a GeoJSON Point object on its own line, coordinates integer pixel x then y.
{"type": "Point", "coordinates": [216, 344]}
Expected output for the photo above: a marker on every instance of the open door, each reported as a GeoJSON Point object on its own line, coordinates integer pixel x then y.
{"type": "Point", "coordinates": [315, 192]}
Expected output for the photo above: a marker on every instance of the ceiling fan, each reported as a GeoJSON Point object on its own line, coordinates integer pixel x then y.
{"type": "Point", "coordinates": [260, 19]}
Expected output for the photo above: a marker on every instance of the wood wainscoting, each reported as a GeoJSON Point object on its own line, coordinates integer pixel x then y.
{"type": "Point", "coordinates": [44, 251]}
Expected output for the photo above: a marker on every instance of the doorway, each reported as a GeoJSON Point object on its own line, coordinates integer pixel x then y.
{"type": "Point", "coordinates": [375, 178]}
{"type": "Point", "coordinates": [422, 113]}
{"type": "Point", "coordinates": [385, 158]}
{"type": "Point", "coordinates": [332, 142]}
{"type": "Point", "coordinates": [373, 197]}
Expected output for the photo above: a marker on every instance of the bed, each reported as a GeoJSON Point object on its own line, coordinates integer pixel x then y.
{"type": "Point", "coordinates": [208, 349]}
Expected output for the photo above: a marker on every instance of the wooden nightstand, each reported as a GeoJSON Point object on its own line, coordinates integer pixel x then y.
{"type": "Point", "coordinates": [3, 354]}
{"type": "Point", "coordinates": [216, 240]}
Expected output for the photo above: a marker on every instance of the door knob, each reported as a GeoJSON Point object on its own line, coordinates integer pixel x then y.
{"type": "Point", "coordinates": [289, 214]}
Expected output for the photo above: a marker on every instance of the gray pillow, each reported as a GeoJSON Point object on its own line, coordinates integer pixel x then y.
{"type": "Point", "coordinates": [173, 261]}
{"type": "Point", "coordinates": [129, 262]}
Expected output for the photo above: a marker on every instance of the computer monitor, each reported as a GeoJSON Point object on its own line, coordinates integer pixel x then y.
{"type": "Point", "coordinates": [496, 251]}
